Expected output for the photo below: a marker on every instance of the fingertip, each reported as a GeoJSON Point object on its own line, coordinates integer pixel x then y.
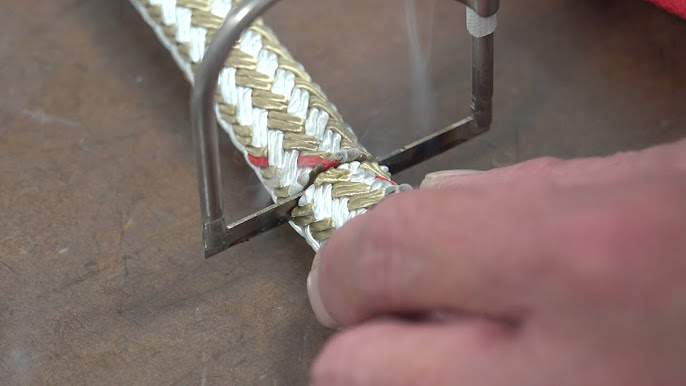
{"type": "Point", "coordinates": [323, 316]}
{"type": "Point", "coordinates": [348, 357]}
{"type": "Point", "coordinates": [396, 352]}
{"type": "Point", "coordinates": [435, 179]}
{"type": "Point", "coordinates": [338, 244]}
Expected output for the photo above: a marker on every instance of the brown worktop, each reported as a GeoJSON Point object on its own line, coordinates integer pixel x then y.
{"type": "Point", "coordinates": [101, 274]}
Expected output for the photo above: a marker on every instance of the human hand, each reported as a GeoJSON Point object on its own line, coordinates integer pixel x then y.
{"type": "Point", "coordinates": [547, 272]}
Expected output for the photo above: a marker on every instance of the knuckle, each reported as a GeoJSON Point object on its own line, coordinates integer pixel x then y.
{"type": "Point", "coordinates": [380, 248]}
{"type": "Point", "coordinates": [374, 269]}
{"type": "Point", "coordinates": [373, 278]}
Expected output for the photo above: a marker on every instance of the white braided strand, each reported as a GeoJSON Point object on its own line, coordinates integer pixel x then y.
{"type": "Point", "coordinates": [289, 173]}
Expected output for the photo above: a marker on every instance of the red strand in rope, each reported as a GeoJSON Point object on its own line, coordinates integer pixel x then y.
{"type": "Point", "coordinates": [385, 179]}
{"type": "Point", "coordinates": [260, 162]}
{"type": "Point", "coordinates": [311, 161]}
{"type": "Point", "coordinates": [303, 161]}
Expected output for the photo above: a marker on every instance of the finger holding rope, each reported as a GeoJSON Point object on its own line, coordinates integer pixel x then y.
{"type": "Point", "coordinates": [376, 354]}
{"type": "Point", "coordinates": [531, 280]}
{"type": "Point", "coordinates": [480, 243]}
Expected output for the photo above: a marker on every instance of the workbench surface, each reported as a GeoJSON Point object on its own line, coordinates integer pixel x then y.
{"type": "Point", "coordinates": [102, 278]}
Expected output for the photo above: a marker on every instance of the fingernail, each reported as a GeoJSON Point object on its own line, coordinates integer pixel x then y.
{"type": "Point", "coordinates": [315, 299]}
{"type": "Point", "coordinates": [434, 179]}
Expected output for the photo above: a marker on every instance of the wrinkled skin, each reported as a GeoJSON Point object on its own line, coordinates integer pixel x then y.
{"type": "Point", "coordinates": [548, 272]}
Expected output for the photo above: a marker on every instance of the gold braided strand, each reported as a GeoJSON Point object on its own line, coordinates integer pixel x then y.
{"type": "Point", "coordinates": [248, 76]}
{"type": "Point", "coordinates": [359, 195]}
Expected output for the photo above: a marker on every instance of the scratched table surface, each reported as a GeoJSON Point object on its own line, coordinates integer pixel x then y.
{"type": "Point", "coordinates": [101, 275]}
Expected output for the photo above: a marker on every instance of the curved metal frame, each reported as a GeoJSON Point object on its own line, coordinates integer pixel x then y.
{"type": "Point", "coordinates": [217, 236]}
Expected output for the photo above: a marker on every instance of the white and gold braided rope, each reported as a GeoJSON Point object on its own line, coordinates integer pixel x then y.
{"type": "Point", "coordinates": [277, 117]}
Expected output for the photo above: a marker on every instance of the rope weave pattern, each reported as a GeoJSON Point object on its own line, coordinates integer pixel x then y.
{"type": "Point", "coordinates": [278, 117]}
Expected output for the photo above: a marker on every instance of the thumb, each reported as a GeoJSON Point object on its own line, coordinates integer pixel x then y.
{"type": "Point", "coordinates": [535, 168]}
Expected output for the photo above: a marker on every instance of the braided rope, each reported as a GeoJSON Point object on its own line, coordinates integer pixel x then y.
{"type": "Point", "coordinates": [277, 116]}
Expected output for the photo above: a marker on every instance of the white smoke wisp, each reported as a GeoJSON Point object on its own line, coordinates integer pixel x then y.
{"type": "Point", "coordinates": [420, 56]}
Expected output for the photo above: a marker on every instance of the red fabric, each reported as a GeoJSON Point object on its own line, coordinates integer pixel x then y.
{"type": "Point", "coordinates": [677, 7]}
